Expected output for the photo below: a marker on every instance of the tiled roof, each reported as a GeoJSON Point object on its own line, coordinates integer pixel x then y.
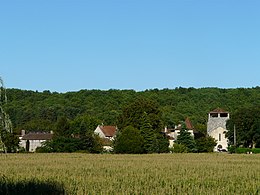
{"type": "Point", "coordinates": [109, 131]}
{"type": "Point", "coordinates": [37, 136]}
{"type": "Point", "coordinates": [218, 110]}
{"type": "Point", "coordinates": [188, 124]}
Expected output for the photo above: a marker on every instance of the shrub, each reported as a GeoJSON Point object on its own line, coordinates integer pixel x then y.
{"type": "Point", "coordinates": [179, 148]}
{"type": "Point", "coordinates": [129, 141]}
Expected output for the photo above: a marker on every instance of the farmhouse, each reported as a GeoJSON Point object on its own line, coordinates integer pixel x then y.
{"type": "Point", "coordinates": [32, 140]}
{"type": "Point", "coordinates": [107, 132]}
{"type": "Point", "coordinates": [216, 128]}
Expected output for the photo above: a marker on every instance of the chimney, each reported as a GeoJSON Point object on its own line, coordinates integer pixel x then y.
{"type": "Point", "coordinates": [22, 132]}
{"type": "Point", "coordinates": [165, 129]}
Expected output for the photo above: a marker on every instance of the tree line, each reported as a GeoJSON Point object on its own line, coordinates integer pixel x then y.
{"type": "Point", "coordinates": [80, 112]}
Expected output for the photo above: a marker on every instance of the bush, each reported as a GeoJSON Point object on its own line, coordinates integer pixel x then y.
{"type": "Point", "coordinates": [256, 150]}
{"type": "Point", "coordinates": [179, 148]}
{"type": "Point", "coordinates": [242, 150]}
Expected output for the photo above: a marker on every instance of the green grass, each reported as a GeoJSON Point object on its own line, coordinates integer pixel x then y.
{"type": "Point", "coordinates": [138, 174]}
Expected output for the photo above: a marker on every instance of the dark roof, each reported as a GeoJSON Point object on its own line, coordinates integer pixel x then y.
{"type": "Point", "coordinates": [109, 131]}
{"type": "Point", "coordinates": [218, 110]}
{"type": "Point", "coordinates": [37, 136]}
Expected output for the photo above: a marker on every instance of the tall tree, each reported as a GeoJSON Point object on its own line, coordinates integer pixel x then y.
{"type": "Point", "coordinates": [247, 124]}
{"type": "Point", "coordinates": [132, 114]}
{"type": "Point", "coordinates": [8, 142]}
{"type": "Point", "coordinates": [187, 140]}
{"type": "Point", "coordinates": [148, 134]}
{"type": "Point", "coordinates": [63, 127]}
{"type": "Point", "coordinates": [129, 141]}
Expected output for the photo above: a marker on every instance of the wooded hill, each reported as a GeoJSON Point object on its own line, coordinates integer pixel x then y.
{"type": "Point", "coordinates": [34, 111]}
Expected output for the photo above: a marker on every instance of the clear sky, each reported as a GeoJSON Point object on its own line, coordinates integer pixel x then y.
{"type": "Point", "coordinates": [68, 45]}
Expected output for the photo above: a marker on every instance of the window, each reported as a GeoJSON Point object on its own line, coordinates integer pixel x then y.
{"type": "Point", "coordinates": [219, 137]}
{"type": "Point", "coordinates": [214, 115]}
{"type": "Point", "coordinates": [223, 114]}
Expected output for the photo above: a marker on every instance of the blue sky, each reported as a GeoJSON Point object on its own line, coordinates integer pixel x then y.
{"type": "Point", "coordinates": [68, 45]}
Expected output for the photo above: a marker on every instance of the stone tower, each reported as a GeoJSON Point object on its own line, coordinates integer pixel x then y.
{"type": "Point", "coordinates": [216, 128]}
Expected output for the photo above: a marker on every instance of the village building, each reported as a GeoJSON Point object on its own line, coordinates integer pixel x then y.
{"type": "Point", "coordinates": [107, 134]}
{"type": "Point", "coordinates": [33, 140]}
{"type": "Point", "coordinates": [172, 133]}
{"type": "Point", "coordinates": [216, 128]}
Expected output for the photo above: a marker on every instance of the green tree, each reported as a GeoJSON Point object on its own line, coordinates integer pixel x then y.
{"type": "Point", "coordinates": [187, 140]}
{"type": "Point", "coordinates": [133, 113]}
{"type": "Point", "coordinates": [8, 142]}
{"type": "Point", "coordinates": [160, 143]}
{"type": "Point", "coordinates": [63, 127]}
{"type": "Point", "coordinates": [205, 144]}
{"type": "Point", "coordinates": [247, 124]}
{"type": "Point", "coordinates": [84, 124]}
{"type": "Point", "coordinates": [129, 141]}
{"type": "Point", "coordinates": [88, 143]}
{"type": "Point", "coordinates": [148, 134]}
{"type": "Point", "coordinates": [179, 148]}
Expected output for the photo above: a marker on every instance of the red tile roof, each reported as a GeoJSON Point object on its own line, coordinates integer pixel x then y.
{"type": "Point", "coordinates": [218, 110]}
{"type": "Point", "coordinates": [109, 131]}
{"type": "Point", "coordinates": [37, 136]}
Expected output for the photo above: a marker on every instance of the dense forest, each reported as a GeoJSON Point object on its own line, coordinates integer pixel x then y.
{"type": "Point", "coordinates": [40, 111]}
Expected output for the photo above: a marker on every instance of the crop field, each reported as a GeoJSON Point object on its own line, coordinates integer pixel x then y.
{"type": "Point", "coordinates": [136, 174]}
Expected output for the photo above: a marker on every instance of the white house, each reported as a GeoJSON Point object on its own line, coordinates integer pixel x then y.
{"type": "Point", "coordinates": [32, 140]}
{"type": "Point", "coordinates": [216, 128]}
{"type": "Point", "coordinates": [107, 132]}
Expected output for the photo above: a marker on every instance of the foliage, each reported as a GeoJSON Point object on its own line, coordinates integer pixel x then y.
{"type": "Point", "coordinates": [205, 144]}
{"type": "Point", "coordinates": [160, 144]}
{"type": "Point", "coordinates": [8, 141]}
{"type": "Point", "coordinates": [147, 133]}
{"type": "Point", "coordinates": [29, 110]}
{"type": "Point", "coordinates": [144, 115]}
{"type": "Point", "coordinates": [187, 140]}
{"type": "Point", "coordinates": [89, 143]}
{"type": "Point", "coordinates": [11, 142]}
{"type": "Point", "coordinates": [247, 124]}
{"type": "Point", "coordinates": [129, 141]}
{"type": "Point", "coordinates": [84, 124]}
{"type": "Point", "coordinates": [133, 114]}
{"type": "Point", "coordinates": [179, 148]}
{"type": "Point", "coordinates": [63, 127]}
{"type": "Point", "coordinates": [240, 150]}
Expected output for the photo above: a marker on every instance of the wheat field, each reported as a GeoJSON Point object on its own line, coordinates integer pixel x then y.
{"type": "Point", "coordinates": [80, 173]}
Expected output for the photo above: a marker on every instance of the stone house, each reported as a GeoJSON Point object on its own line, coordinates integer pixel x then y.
{"type": "Point", "coordinates": [216, 128]}
{"type": "Point", "coordinates": [33, 140]}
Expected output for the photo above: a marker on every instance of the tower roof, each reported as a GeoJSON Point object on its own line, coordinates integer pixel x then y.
{"type": "Point", "coordinates": [218, 110]}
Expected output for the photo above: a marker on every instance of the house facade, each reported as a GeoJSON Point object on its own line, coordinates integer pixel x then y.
{"type": "Point", "coordinates": [107, 132]}
{"type": "Point", "coordinates": [33, 140]}
{"type": "Point", "coordinates": [216, 128]}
